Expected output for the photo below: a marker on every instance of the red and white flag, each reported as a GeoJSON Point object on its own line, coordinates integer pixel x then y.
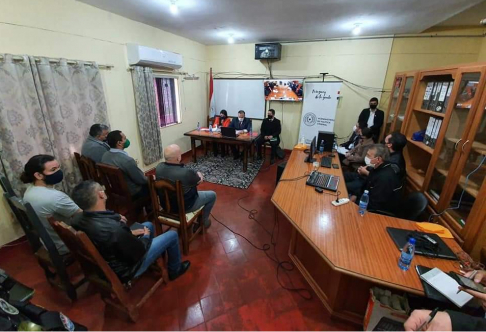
{"type": "Point", "coordinates": [212, 110]}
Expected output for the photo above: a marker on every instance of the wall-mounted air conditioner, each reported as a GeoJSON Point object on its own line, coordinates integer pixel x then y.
{"type": "Point", "coordinates": [151, 57]}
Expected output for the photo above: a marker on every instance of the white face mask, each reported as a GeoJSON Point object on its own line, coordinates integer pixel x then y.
{"type": "Point", "coordinates": [354, 128]}
{"type": "Point", "coordinates": [368, 162]}
{"type": "Point", "coordinates": [241, 119]}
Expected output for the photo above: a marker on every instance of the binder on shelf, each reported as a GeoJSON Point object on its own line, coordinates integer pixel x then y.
{"type": "Point", "coordinates": [428, 131]}
{"type": "Point", "coordinates": [428, 92]}
{"type": "Point", "coordinates": [442, 96]}
{"type": "Point", "coordinates": [448, 95]}
{"type": "Point", "coordinates": [435, 98]}
{"type": "Point", "coordinates": [431, 97]}
{"type": "Point", "coordinates": [436, 132]}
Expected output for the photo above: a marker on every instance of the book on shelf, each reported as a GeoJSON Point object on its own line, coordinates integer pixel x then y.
{"type": "Point", "coordinates": [435, 96]}
{"type": "Point", "coordinates": [435, 134]}
{"type": "Point", "coordinates": [448, 95]}
{"type": "Point", "coordinates": [466, 96]}
{"type": "Point", "coordinates": [428, 130]}
{"type": "Point", "coordinates": [428, 92]}
{"type": "Point", "coordinates": [439, 107]}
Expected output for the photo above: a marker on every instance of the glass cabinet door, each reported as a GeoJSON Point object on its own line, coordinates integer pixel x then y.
{"type": "Point", "coordinates": [453, 139]}
{"type": "Point", "coordinates": [472, 177]}
{"type": "Point", "coordinates": [393, 106]}
{"type": "Point", "coordinates": [403, 104]}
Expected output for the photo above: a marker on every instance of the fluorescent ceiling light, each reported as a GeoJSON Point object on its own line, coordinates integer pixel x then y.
{"type": "Point", "coordinates": [357, 29]}
{"type": "Point", "coordinates": [231, 40]}
{"type": "Point", "coordinates": [173, 8]}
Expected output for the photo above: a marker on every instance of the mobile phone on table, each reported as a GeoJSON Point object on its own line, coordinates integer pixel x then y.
{"type": "Point", "coordinates": [468, 283]}
{"type": "Point", "coordinates": [335, 166]}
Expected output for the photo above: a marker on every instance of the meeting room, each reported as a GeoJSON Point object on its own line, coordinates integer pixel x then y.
{"type": "Point", "coordinates": [224, 165]}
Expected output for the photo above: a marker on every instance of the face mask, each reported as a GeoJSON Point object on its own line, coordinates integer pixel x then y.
{"type": "Point", "coordinates": [223, 117]}
{"type": "Point", "coordinates": [354, 128]}
{"type": "Point", "coordinates": [241, 119]}
{"type": "Point", "coordinates": [368, 162]}
{"type": "Point", "coordinates": [54, 178]}
{"type": "Point", "coordinates": [373, 107]}
{"type": "Point", "coordinates": [127, 144]}
{"type": "Point", "coordinates": [270, 117]}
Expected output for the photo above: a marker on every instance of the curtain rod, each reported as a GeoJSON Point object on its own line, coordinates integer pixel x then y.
{"type": "Point", "coordinates": [162, 71]}
{"type": "Point", "coordinates": [70, 62]}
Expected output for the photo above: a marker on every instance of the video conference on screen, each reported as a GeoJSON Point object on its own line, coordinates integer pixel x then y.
{"type": "Point", "coordinates": [283, 90]}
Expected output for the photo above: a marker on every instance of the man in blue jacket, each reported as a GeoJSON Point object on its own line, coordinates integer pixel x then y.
{"type": "Point", "coordinates": [242, 124]}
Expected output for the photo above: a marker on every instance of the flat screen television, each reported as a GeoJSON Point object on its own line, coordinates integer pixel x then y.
{"type": "Point", "coordinates": [268, 51]}
{"type": "Point", "coordinates": [284, 89]}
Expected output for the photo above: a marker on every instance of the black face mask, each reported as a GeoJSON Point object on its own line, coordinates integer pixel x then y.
{"type": "Point", "coordinates": [373, 107]}
{"type": "Point", "coordinates": [270, 117]}
{"type": "Point", "coordinates": [54, 178]}
{"type": "Point", "coordinates": [222, 116]}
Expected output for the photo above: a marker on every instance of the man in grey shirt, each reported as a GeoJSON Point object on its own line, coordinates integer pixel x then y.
{"type": "Point", "coordinates": [117, 156]}
{"type": "Point", "coordinates": [173, 170]}
{"type": "Point", "coordinates": [95, 147]}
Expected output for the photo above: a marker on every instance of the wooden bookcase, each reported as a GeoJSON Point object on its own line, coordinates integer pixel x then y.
{"type": "Point", "coordinates": [442, 165]}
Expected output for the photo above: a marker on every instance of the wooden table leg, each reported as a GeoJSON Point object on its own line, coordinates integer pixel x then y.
{"type": "Point", "coordinates": [252, 152]}
{"type": "Point", "coordinates": [245, 157]}
{"type": "Point", "coordinates": [193, 147]}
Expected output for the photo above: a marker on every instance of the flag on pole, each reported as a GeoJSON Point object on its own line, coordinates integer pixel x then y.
{"type": "Point", "coordinates": [212, 110]}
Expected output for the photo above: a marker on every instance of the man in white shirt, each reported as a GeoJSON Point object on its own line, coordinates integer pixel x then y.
{"type": "Point", "coordinates": [373, 117]}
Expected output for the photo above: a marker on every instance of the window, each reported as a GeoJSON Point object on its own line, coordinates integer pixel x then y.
{"type": "Point", "coordinates": [167, 99]}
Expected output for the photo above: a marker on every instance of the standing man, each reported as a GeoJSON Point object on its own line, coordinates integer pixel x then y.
{"type": "Point", "coordinates": [173, 170]}
{"type": "Point", "coordinates": [117, 156]}
{"type": "Point", "coordinates": [269, 132]}
{"type": "Point", "coordinates": [241, 124]}
{"type": "Point", "coordinates": [373, 117]}
{"type": "Point", "coordinates": [95, 145]}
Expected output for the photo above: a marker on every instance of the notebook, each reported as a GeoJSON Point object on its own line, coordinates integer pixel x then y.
{"type": "Point", "coordinates": [430, 291]}
{"type": "Point", "coordinates": [446, 286]}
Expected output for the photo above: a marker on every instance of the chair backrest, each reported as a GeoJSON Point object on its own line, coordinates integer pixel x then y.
{"type": "Point", "coordinates": [94, 266]}
{"type": "Point", "coordinates": [7, 186]}
{"type": "Point", "coordinates": [114, 181]}
{"type": "Point", "coordinates": [31, 233]}
{"type": "Point", "coordinates": [82, 167]}
{"type": "Point", "coordinates": [161, 192]}
{"type": "Point", "coordinates": [415, 204]}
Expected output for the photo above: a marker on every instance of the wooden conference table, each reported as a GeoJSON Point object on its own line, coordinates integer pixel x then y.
{"type": "Point", "coordinates": [243, 140]}
{"type": "Point", "coordinates": [340, 253]}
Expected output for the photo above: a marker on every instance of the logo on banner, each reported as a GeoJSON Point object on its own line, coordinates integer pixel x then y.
{"type": "Point", "coordinates": [310, 119]}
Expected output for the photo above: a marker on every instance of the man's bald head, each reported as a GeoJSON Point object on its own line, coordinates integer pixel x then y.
{"type": "Point", "coordinates": [172, 153]}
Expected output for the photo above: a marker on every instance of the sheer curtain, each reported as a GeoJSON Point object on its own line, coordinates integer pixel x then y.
{"type": "Point", "coordinates": [148, 122]}
{"type": "Point", "coordinates": [47, 108]}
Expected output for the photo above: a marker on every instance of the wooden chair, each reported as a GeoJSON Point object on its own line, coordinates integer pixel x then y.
{"type": "Point", "coordinates": [88, 168]}
{"type": "Point", "coordinates": [82, 167]}
{"type": "Point", "coordinates": [99, 273]}
{"type": "Point", "coordinates": [7, 186]}
{"type": "Point", "coordinates": [163, 190]}
{"type": "Point", "coordinates": [54, 265]}
{"type": "Point", "coordinates": [119, 197]}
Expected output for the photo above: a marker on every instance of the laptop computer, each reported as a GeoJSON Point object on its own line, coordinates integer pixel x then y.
{"type": "Point", "coordinates": [322, 180]}
{"type": "Point", "coordinates": [427, 244]}
{"type": "Point", "coordinates": [228, 132]}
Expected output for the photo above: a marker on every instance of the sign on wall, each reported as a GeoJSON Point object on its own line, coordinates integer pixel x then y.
{"type": "Point", "coordinates": [319, 110]}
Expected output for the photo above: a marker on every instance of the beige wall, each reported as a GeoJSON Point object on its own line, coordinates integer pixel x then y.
{"type": "Point", "coordinates": [482, 51]}
{"type": "Point", "coordinates": [359, 61]}
{"type": "Point", "coordinates": [420, 53]}
{"type": "Point", "coordinates": [70, 29]}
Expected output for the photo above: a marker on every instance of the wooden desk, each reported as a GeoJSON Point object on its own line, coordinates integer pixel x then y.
{"type": "Point", "coordinates": [243, 140]}
{"type": "Point", "coordinates": [341, 254]}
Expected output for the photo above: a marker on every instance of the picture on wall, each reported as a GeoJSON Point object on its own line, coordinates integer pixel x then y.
{"type": "Point", "coordinates": [284, 90]}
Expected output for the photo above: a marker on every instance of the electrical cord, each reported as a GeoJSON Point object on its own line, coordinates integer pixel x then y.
{"type": "Point", "coordinates": [432, 216]}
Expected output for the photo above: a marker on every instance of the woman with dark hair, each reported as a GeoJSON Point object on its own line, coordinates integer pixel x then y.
{"type": "Point", "coordinates": [42, 172]}
{"type": "Point", "coordinates": [220, 121]}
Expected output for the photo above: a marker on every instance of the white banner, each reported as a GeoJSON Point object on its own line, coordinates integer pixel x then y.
{"type": "Point", "coordinates": [319, 110]}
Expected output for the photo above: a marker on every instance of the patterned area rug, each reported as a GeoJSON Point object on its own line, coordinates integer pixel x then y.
{"type": "Point", "coordinates": [226, 171]}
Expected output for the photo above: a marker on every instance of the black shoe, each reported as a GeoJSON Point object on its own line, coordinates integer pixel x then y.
{"type": "Point", "coordinates": [182, 269]}
{"type": "Point", "coordinates": [272, 161]}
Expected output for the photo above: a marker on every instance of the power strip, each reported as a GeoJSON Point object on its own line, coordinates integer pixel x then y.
{"type": "Point", "coordinates": [340, 202]}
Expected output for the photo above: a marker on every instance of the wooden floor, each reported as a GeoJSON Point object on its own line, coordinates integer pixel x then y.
{"type": "Point", "coordinates": [230, 285]}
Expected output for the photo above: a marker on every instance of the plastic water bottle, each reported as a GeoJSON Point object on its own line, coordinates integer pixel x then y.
{"type": "Point", "coordinates": [321, 147]}
{"type": "Point", "coordinates": [210, 128]}
{"type": "Point", "coordinates": [302, 140]}
{"type": "Point", "coordinates": [198, 127]}
{"type": "Point", "coordinates": [407, 255]}
{"type": "Point", "coordinates": [363, 202]}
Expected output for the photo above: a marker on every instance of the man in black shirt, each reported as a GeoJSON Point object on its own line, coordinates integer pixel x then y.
{"type": "Point", "coordinates": [269, 132]}
{"type": "Point", "coordinates": [173, 170]}
{"type": "Point", "coordinates": [395, 142]}
{"type": "Point", "coordinates": [373, 117]}
{"type": "Point", "coordinates": [128, 252]}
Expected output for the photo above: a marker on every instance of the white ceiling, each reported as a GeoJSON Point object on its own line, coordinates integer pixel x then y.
{"type": "Point", "coordinates": [212, 21]}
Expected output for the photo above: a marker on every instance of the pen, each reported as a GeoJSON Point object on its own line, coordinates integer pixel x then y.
{"type": "Point", "coordinates": [429, 319]}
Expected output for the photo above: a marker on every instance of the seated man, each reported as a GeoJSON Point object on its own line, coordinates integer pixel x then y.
{"type": "Point", "coordinates": [354, 139]}
{"type": "Point", "coordinates": [173, 170]}
{"type": "Point", "coordinates": [357, 155]}
{"type": "Point", "coordinates": [396, 142]}
{"type": "Point", "coordinates": [117, 156]}
{"type": "Point", "coordinates": [95, 145]}
{"type": "Point", "coordinates": [241, 124]}
{"type": "Point", "coordinates": [269, 132]}
{"type": "Point", "coordinates": [220, 121]}
{"type": "Point", "coordinates": [382, 183]}
{"type": "Point", "coordinates": [373, 117]}
{"type": "Point", "coordinates": [128, 252]}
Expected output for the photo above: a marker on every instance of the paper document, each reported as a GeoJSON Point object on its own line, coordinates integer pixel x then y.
{"type": "Point", "coordinates": [447, 286]}
{"type": "Point", "coordinates": [342, 150]}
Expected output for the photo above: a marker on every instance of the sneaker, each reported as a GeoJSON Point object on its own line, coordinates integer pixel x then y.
{"type": "Point", "coordinates": [182, 269]}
